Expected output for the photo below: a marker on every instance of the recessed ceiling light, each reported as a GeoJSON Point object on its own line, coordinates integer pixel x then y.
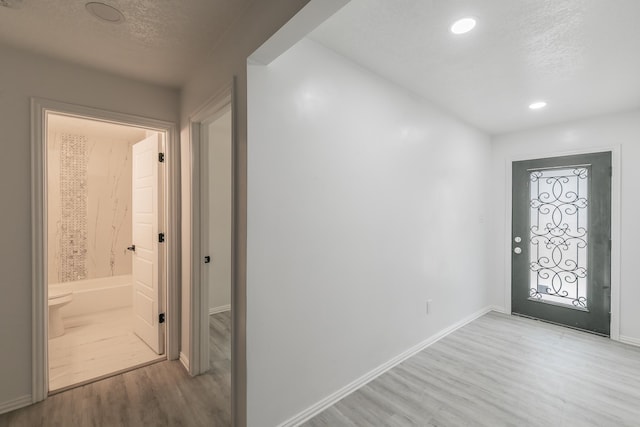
{"type": "Point", "coordinates": [463, 25]}
{"type": "Point", "coordinates": [104, 12]}
{"type": "Point", "coordinates": [537, 105]}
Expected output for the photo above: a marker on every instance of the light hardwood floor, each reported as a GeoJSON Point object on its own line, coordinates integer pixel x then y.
{"type": "Point", "coordinates": [502, 371]}
{"type": "Point", "coordinates": [162, 394]}
{"type": "Point", "coordinates": [94, 346]}
{"type": "Point", "coordinates": [219, 342]}
{"type": "Point", "coordinates": [497, 371]}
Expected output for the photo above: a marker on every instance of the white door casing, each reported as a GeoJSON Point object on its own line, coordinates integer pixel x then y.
{"type": "Point", "coordinates": [40, 108]}
{"type": "Point", "coordinates": [199, 299]}
{"type": "Point", "coordinates": [615, 224]}
{"type": "Point", "coordinates": [147, 293]}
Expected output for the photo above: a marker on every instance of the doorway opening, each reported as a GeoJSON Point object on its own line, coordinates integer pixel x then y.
{"type": "Point", "coordinates": [104, 228]}
{"type": "Point", "coordinates": [561, 240]}
{"type": "Point", "coordinates": [216, 231]}
{"type": "Point", "coordinates": [105, 277]}
{"type": "Point", "coordinates": [213, 230]}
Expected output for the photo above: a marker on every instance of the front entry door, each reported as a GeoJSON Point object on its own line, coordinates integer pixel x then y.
{"type": "Point", "coordinates": [560, 242]}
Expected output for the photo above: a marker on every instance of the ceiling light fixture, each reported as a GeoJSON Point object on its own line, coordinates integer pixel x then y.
{"type": "Point", "coordinates": [537, 105]}
{"type": "Point", "coordinates": [104, 12]}
{"type": "Point", "coordinates": [462, 26]}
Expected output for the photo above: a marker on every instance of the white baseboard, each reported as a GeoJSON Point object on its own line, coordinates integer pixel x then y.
{"type": "Point", "coordinates": [498, 309]}
{"type": "Point", "coordinates": [184, 360]}
{"type": "Point", "coordinates": [629, 340]}
{"type": "Point", "coordinates": [16, 403]}
{"type": "Point", "coordinates": [220, 309]}
{"type": "Point", "coordinates": [373, 374]}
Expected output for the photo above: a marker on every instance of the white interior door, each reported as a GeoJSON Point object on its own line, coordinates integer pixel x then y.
{"type": "Point", "coordinates": [147, 293]}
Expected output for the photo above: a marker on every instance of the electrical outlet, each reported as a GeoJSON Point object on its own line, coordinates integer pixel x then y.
{"type": "Point", "coordinates": [428, 306]}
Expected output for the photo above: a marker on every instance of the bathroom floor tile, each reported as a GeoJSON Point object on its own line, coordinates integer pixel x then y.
{"type": "Point", "coordinates": [94, 346]}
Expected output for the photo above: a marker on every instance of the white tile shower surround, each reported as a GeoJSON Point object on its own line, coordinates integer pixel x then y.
{"type": "Point", "coordinates": [72, 240]}
{"type": "Point", "coordinates": [94, 346]}
{"type": "Point", "coordinates": [89, 198]}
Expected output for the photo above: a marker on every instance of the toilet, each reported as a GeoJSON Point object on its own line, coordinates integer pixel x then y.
{"type": "Point", "coordinates": [59, 296]}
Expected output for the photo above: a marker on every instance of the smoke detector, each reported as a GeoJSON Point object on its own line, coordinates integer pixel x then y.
{"type": "Point", "coordinates": [104, 12]}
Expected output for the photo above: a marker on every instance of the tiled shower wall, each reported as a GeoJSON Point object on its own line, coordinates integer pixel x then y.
{"type": "Point", "coordinates": [89, 205]}
{"type": "Point", "coordinates": [72, 234]}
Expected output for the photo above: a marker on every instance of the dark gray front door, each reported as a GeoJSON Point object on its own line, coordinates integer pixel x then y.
{"type": "Point", "coordinates": [560, 242]}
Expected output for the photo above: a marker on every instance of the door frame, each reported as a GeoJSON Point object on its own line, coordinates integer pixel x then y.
{"type": "Point", "coordinates": [39, 109]}
{"type": "Point", "coordinates": [198, 360]}
{"type": "Point", "coordinates": [615, 225]}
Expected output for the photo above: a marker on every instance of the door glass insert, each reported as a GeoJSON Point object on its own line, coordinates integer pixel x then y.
{"type": "Point", "coordinates": [558, 200]}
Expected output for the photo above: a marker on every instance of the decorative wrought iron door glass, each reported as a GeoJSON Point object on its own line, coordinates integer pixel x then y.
{"type": "Point", "coordinates": [559, 209]}
{"type": "Point", "coordinates": [561, 240]}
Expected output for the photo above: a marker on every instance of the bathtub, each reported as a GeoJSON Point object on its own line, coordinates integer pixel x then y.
{"type": "Point", "coordinates": [104, 293]}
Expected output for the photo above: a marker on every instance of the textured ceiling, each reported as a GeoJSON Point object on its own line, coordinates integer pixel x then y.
{"type": "Point", "coordinates": [161, 41]}
{"type": "Point", "coordinates": [581, 56]}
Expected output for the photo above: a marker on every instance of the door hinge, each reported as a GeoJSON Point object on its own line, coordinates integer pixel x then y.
{"type": "Point", "coordinates": [161, 318]}
{"type": "Point", "coordinates": [161, 157]}
{"type": "Point", "coordinates": [161, 237]}
{"type": "Point", "coordinates": [610, 170]}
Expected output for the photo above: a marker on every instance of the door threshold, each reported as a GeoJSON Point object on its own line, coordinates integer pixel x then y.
{"type": "Point", "coordinates": [109, 375]}
{"type": "Point", "coordinates": [561, 324]}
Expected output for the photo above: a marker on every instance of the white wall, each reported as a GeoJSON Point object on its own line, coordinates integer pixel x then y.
{"type": "Point", "coordinates": [24, 75]}
{"type": "Point", "coordinates": [107, 217]}
{"type": "Point", "coordinates": [363, 202]}
{"type": "Point", "coordinates": [219, 189]}
{"type": "Point", "coordinates": [594, 134]}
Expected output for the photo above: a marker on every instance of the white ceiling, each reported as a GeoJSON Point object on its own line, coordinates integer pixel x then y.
{"type": "Point", "coordinates": [581, 56]}
{"type": "Point", "coordinates": [161, 41]}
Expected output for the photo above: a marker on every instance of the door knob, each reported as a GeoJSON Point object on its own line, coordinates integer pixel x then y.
{"type": "Point", "coordinates": [132, 248]}
{"type": "Point", "coordinates": [517, 250]}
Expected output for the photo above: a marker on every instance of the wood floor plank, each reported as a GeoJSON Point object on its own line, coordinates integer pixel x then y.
{"type": "Point", "coordinates": [502, 371]}
{"type": "Point", "coordinates": [162, 394]}
{"type": "Point", "coordinates": [497, 371]}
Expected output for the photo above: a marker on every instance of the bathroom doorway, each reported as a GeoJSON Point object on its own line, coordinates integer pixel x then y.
{"type": "Point", "coordinates": [105, 239]}
{"type": "Point", "coordinates": [104, 260]}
